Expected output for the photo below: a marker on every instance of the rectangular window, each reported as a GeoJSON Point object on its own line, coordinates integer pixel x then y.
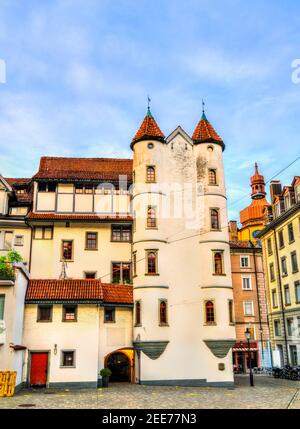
{"type": "Point", "coordinates": [284, 266]}
{"type": "Point", "coordinates": [274, 298]}
{"type": "Point", "coordinates": [150, 174]}
{"type": "Point", "coordinates": [277, 328]}
{"type": "Point", "coordinates": [2, 301]}
{"type": "Point", "coordinates": [163, 312]}
{"type": "Point", "coordinates": [289, 325]}
{"type": "Point", "coordinates": [44, 313]}
{"type": "Point", "coordinates": [69, 313]}
{"type": "Point", "coordinates": [297, 291]}
{"type": "Point", "coordinates": [8, 237]}
{"type": "Point", "coordinates": [218, 268]}
{"type": "Point", "coordinates": [230, 310]}
{"type": "Point", "coordinates": [210, 312]}
{"type": "Point", "coordinates": [287, 295]}
{"type": "Point", "coordinates": [134, 264]}
{"type": "Point", "coordinates": [151, 262]}
{"type": "Point", "coordinates": [68, 359]}
{"type": "Point", "coordinates": [90, 274]}
{"type": "Point", "coordinates": [214, 219]}
{"type": "Point", "coordinates": [19, 240]}
{"type": "Point", "coordinates": [281, 239]}
{"type": "Point", "coordinates": [43, 233]}
{"type": "Point", "coordinates": [244, 261]}
{"type": "Point", "coordinates": [121, 272]}
{"type": "Point", "coordinates": [151, 217]}
{"type": "Point", "coordinates": [91, 240]}
{"type": "Point", "coordinates": [212, 177]}
{"type": "Point", "coordinates": [137, 313]}
{"type": "Point", "coordinates": [294, 262]}
{"type": "Point", "coordinates": [291, 232]}
{"type": "Point", "coordinates": [269, 244]}
{"type": "Point", "coordinates": [248, 308]}
{"type": "Point", "coordinates": [121, 233]}
{"type": "Point", "coordinates": [293, 355]}
{"type": "Point", "coordinates": [272, 274]}
{"type": "Point", "coordinates": [109, 315]}
{"type": "Point", "coordinates": [67, 250]}
{"type": "Point", "coordinates": [247, 283]}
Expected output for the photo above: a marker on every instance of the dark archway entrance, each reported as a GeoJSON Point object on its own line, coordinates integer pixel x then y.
{"type": "Point", "coordinates": [119, 364]}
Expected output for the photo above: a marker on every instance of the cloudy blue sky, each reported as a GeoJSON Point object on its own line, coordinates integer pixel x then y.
{"type": "Point", "coordinates": [79, 71]}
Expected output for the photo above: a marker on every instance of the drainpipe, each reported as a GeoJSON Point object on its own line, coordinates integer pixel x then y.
{"type": "Point", "coordinates": [258, 302]}
{"type": "Point", "coordinates": [30, 249]}
{"type": "Point", "coordinates": [281, 297]}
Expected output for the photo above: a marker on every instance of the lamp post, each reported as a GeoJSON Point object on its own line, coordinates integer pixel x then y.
{"type": "Point", "coordinates": [248, 336]}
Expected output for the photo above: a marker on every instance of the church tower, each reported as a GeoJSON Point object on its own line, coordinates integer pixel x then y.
{"type": "Point", "coordinates": [252, 217]}
{"type": "Point", "coordinates": [183, 311]}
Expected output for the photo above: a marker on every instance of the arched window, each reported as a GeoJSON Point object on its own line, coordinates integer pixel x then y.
{"type": "Point", "coordinates": [150, 176]}
{"type": "Point", "coordinates": [151, 217]}
{"type": "Point", "coordinates": [209, 312]}
{"type": "Point", "coordinates": [138, 313]}
{"type": "Point", "coordinates": [163, 319]}
{"type": "Point", "coordinates": [214, 218]}
{"type": "Point", "coordinates": [218, 263]}
{"type": "Point", "coordinates": [151, 262]}
{"type": "Point", "coordinates": [212, 177]}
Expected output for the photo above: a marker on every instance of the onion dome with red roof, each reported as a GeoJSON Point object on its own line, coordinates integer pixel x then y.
{"type": "Point", "coordinates": [149, 130]}
{"type": "Point", "coordinates": [255, 212]}
{"type": "Point", "coordinates": [205, 133]}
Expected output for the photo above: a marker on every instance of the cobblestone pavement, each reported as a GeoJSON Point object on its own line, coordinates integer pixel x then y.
{"type": "Point", "coordinates": [267, 393]}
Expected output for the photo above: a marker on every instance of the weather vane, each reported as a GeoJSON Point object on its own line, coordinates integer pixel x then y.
{"type": "Point", "coordinates": [203, 106]}
{"type": "Point", "coordinates": [149, 101]}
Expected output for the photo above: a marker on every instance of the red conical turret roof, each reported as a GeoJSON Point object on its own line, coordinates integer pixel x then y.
{"type": "Point", "coordinates": [148, 130]}
{"type": "Point", "coordinates": [205, 133]}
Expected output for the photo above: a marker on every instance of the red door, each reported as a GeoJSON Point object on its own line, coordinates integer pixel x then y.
{"type": "Point", "coordinates": [38, 369]}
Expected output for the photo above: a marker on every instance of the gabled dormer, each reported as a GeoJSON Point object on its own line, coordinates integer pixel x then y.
{"type": "Point", "coordinates": [5, 191]}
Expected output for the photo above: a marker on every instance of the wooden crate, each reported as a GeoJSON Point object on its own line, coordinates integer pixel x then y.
{"type": "Point", "coordinates": [7, 383]}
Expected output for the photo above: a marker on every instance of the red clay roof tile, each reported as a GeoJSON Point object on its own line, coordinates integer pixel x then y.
{"type": "Point", "coordinates": [148, 130]}
{"type": "Point", "coordinates": [65, 217]}
{"type": "Point", "coordinates": [205, 133]}
{"type": "Point", "coordinates": [84, 168]}
{"type": "Point", "coordinates": [78, 290]}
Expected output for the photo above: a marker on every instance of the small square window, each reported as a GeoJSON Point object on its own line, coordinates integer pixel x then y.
{"type": "Point", "coordinates": [90, 274]}
{"type": "Point", "coordinates": [109, 315]}
{"type": "Point", "coordinates": [69, 313]}
{"type": "Point", "coordinates": [44, 313]}
{"type": "Point", "coordinates": [244, 261]}
{"type": "Point", "coordinates": [19, 240]}
{"type": "Point", "coordinates": [68, 359]}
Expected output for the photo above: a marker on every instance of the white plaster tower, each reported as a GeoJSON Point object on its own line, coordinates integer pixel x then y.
{"type": "Point", "coordinates": [183, 327]}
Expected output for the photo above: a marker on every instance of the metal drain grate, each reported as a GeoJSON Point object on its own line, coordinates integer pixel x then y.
{"type": "Point", "coordinates": [26, 405]}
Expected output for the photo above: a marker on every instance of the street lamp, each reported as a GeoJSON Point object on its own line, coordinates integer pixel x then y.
{"type": "Point", "coordinates": [248, 336]}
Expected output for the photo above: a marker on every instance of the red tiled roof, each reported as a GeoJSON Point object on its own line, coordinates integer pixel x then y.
{"type": "Point", "coordinates": [148, 130]}
{"type": "Point", "coordinates": [84, 168]}
{"type": "Point", "coordinates": [78, 290]}
{"type": "Point", "coordinates": [67, 216]}
{"type": "Point", "coordinates": [17, 183]}
{"type": "Point", "coordinates": [64, 290]}
{"type": "Point", "coordinates": [205, 133]}
{"type": "Point", "coordinates": [254, 212]}
{"type": "Point", "coordinates": [122, 294]}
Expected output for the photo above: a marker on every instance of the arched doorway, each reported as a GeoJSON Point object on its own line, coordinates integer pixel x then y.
{"type": "Point", "coordinates": [119, 364]}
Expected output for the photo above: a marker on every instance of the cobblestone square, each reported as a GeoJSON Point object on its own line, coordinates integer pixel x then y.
{"type": "Point", "coordinates": [267, 393]}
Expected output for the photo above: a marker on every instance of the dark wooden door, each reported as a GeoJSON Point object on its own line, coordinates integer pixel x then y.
{"type": "Point", "coordinates": [38, 369]}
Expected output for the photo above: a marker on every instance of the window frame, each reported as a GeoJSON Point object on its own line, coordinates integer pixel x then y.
{"type": "Point", "coordinates": [154, 174]}
{"type": "Point", "coordinates": [43, 228]}
{"type": "Point", "coordinates": [137, 322]}
{"type": "Point", "coordinates": [294, 262]}
{"type": "Point", "coordinates": [62, 250]}
{"type": "Point", "coordinates": [166, 322]}
{"type": "Point", "coordinates": [283, 261]}
{"type": "Point", "coordinates": [94, 240]}
{"type": "Point", "coordinates": [216, 211]}
{"type": "Point", "coordinates": [122, 227]}
{"type": "Point", "coordinates": [148, 251]}
{"type": "Point", "coordinates": [151, 218]}
{"type": "Point", "coordinates": [270, 246]}
{"type": "Point", "coordinates": [246, 257]}
{"type": "Point", "coordinates": [281, 239]}
{"type": "Point", "coordinates": [252, 308]}
{"type": "Point", "coordinates": [277, 322]}
{"type": "Point", "coordinates": [274, 293]}
{"type": "Point", "coordinates": [297, 288]}
{"type": "Point", "coordinates": [90, 272]}
{"type": "Point", "coordinates": [62, 359]}
{"type": "Point", "coordinates": [290, 228]}
{"type": "Point", "coordinates": [272, 272]}
{"type": "Point", "coordinates": [39, 307]}
{"type": "Point", "coordinates": [206, 321]}
{"type": "Point", "coordinates": [113, 310]}
{"type": "Point", "coordinates": [221, 252]}
{"type": "Point", "coordinates": [231, 312]}
{"type": "Point", "coordinates": [121, 272]}
{"type": "Point", "coordinates": [212, 170]}
{"type": "Point", "coordinates": [249, 277]}
{"type": "Point", "coordinates": [64, 308]}
{"type": "Point", "coordinates": [2, 297]}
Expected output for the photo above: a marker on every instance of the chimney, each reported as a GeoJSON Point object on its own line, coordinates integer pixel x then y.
{"type": "Point", "coordinates": [275, 189]}
{"type": "Point", "coordinates": [233, 230]}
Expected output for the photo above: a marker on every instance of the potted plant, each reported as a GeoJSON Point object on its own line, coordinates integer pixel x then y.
{"type": "Point", "coordinates": [6, 264]}
{"type": "Point", "coordinates": [105, 374]}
